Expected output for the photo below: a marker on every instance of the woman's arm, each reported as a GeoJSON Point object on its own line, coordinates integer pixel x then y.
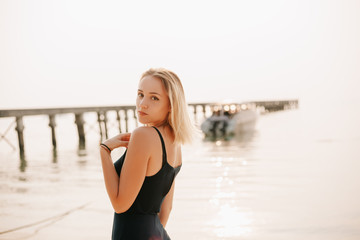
{"type": "Point", "coordinates": [166, 206]}
{"type": "Point", "coordinates": [110, 176]}
{"type": "Point", "coordinates": [123, 190]}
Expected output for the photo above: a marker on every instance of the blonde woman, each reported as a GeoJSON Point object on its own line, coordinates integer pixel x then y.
{"type": "Point", "coordinates": [141, 183]}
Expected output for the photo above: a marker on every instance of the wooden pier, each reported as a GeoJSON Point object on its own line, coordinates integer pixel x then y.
{"type": "Point", "coordinates": [272, 106]}
{"type": "Point", "coordinates": [129, 114]}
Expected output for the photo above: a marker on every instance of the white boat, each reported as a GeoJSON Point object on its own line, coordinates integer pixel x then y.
{"type": "Point", "coordinates": [229, 119]}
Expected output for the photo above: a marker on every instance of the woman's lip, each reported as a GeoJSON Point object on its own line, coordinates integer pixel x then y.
{"type": "Point", "coordinates": [142, 113]}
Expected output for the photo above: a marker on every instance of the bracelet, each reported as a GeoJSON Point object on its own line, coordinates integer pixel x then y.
{"type": "Point", "coordinates": [103, 145]}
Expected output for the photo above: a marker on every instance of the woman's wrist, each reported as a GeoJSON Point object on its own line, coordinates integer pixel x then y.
{"type": "Point", "coordinates": [105, 147]}
{"type": "Point", "coordinates": [110, 143]}
{"type": "Point", "coordinates": [102, 146]}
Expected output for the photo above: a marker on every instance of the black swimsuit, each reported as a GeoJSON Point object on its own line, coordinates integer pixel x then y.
{"type": "Point", "coordinates": [141, 220]}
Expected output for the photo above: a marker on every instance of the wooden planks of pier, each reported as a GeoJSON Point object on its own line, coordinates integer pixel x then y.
{"type": "Point", "coordinates": [129, 113]}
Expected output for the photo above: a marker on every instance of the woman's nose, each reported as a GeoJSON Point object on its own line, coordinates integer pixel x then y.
{"type": "Point", "coordinates": [143, 103]}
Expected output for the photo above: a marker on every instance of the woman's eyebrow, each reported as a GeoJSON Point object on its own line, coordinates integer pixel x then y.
{"type": "Point", "coordinates": [150, 92]}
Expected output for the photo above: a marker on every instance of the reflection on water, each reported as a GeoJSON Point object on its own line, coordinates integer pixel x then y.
{"type": "Point", "coordinates": [245, 137]}
{"type": "Point", "coordinates": [23, 161]}
{"type": "Point", "coordinates": [240, 138]}
{"type": "Point", "coordinates": [54, 155]}
{"type": "Point", "coordinates": [231, 222]}
{"type": "Point", "coordinates": [23, 164]}
{"type": "Point", "coordinates": [271, 184]}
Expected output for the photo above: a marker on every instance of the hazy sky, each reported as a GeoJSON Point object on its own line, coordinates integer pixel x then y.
{"type": "Point", "coordinates": [84, 53]}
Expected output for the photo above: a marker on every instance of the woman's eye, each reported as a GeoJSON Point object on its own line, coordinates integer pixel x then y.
{"type": "Point", "coordinates": [153, 97]}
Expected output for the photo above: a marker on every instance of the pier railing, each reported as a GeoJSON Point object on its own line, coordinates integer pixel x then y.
{"type": "Point", "coordinates": [129, 114]}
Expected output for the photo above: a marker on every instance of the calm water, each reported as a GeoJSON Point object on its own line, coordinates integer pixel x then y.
{"type": "Point", "coordinates": [296, 177]}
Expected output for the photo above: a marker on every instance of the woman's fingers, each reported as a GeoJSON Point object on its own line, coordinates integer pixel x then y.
{"type": "Point", "coordinates": [123, 136]}
{"type": "Point", "coordinates": [126, 136]}
{"type": "Point", "coordinates": [125, 143]}
{"type": "Point", "coordinates": [120, 140]}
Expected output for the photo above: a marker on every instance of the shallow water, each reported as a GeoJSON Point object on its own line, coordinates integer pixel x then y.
{"type": "Point", "coordinates": [295, 177]}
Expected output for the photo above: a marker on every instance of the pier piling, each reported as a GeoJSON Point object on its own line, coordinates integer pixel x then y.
{"type": "Point", "coordinates": [126, 120]}
{"type": "Point", "coordinates": [204, 110]}
{"type": "Point", "coordinates": [135, 118]}
{"type": "Point", "coordinates": [52, 125]}
{"type": "Point", "coordinates": [79, 120]}
{"type": "Point", "coordinates": [100, 126]}
{"type": "Point", "coordinates": [105, 125]}
{"type": "Point", "coordinates": [195, 111]}
{"type": "Point", "coordinates": [20, 130]}
{"type": "Point", "coordinates": [118, 118]}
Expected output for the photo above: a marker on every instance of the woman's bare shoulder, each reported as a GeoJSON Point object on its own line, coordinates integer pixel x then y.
{"type": "Point", "coordinates": [140, 139]}
{"type": "Point", "coordinates": [145, 133]}
{"type": "Point", "coordinates": [144, 129]}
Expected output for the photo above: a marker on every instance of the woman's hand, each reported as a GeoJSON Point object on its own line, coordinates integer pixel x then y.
{"type": "Point", "coordinates": [120, 140]}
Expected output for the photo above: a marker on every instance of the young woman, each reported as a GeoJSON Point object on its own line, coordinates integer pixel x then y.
{"type": "Point", "coordinates": [141, 183]}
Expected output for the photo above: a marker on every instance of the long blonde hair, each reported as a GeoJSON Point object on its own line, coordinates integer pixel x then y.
{"type": "Point", "coordinates": [178, 119]}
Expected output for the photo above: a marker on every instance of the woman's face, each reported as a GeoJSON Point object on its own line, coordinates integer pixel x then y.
{"type": "Point", "coordinates": [152, 102]}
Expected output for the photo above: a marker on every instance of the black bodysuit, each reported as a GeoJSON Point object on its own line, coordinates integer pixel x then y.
{"type": "Point", "coordinates": [141, 220]}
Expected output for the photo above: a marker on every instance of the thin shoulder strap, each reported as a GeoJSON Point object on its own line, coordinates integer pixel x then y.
{"type": "Point", "coordinates": [162, 145]}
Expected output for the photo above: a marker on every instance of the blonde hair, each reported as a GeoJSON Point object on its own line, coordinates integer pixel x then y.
{"type": "Point", "coordinates": [178, 119]}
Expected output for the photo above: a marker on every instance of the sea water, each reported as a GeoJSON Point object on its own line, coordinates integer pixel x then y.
{"type": "Point", "coordinates": [295, 177]}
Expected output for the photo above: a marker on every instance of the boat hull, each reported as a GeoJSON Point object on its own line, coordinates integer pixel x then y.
{"type": "Point", "coordinates": [228, 126]}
